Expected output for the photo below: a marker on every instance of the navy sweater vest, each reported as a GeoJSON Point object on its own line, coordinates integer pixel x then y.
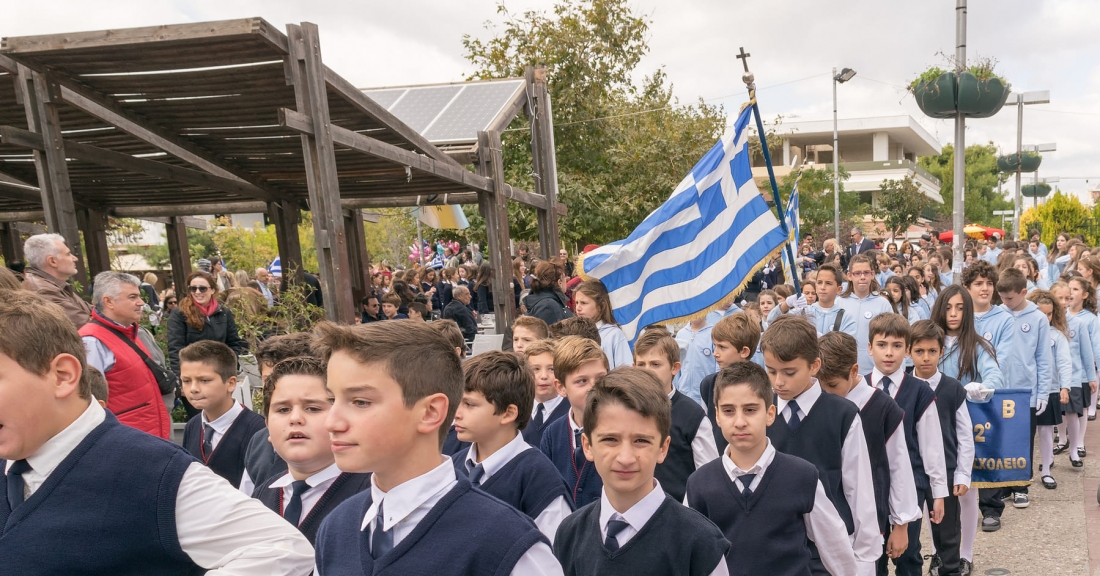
{"type": "Point", "coordinates": [108, 508]}
{"type": "Point", "coordinates": [343, 487]}
{"type": "Point", "coordinates": [820, 440]}
{"type": "Point", "coordinates": [227, 460]}
{"type": "Point", "coordinates": [914, 396]}
{"type": "Point", "coordinates": [584, 484]}
{"type": "Point", "coordinates": [533, 434]}
{"type": "Point", "coordinates": [706, 390]}
{"type": "Point", "coordinates": [655, 549]}
{"type": "Point", "coordinates": [451, 444]}
{"type": "Point", "coordinates": [680, 461]}
{"type": "Point", "coordinates": [467, 532]}
{"type": "Point", "coordinates": [769, 529]}
{"type": "Point", "coordinates": [529, 482]}
{"type": "Point", "coordinates": [880, 417]}
{"type": "Point", "coordinates": [950, 396]}
{"type": "Point", "coordinates": [260, 459]}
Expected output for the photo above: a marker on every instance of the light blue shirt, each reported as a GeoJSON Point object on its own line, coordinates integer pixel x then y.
{"type": "Point", "coordinates": [825, 319]}
{"type": "Point", "coordinates": [696, 360]}
{"type": "Point", "coordinates": [1063, 361]}
{"type": "Point", "coordinates": [997, 326]}
{"type": "Point", "coordinates": [989, 373]}
{"type": "Point", "coordinates": [864, 309]}
{"type": "Point", "coordinates": [615, 345]}
{"type": "Point", "coordinates": [1080, 351]}
{"type": "Point", "coordinates": [1032, 364]}
{"type": "Point", "coordinates": [715, 315]}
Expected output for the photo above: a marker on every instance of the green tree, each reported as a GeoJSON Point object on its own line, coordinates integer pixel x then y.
{"type": "Point", "coordinates": [982, 178]}
{"type": "Point", "coordinates": [815, 200]}
{"type": "Point", "coordinates": [1060, 213]}
{"type": "Point", "coordinates": [389, 239]}
{"type": "Point", "coordinates": [900, 204]}
{"type": "Point", "coordinates": [621, 148]}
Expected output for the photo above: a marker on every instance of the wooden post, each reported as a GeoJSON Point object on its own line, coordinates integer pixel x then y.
{"type": "Point", "coordinates": [307, 74]}
{"type": "Point", "coordinates": [544, 159]}
{"type": "Point", "coordinates": [11, 243]}
{"type": "Point", "coordinates": [94, 225]}
{"type": "Point", "coordinates": [495, 211]}
{"type": "Point", "coordinates": [179, 254]}
{"type": "Point", "coordinates": [285, 216]}
{"type": "Point", "coordinates": [358, 262]}
{"type": "Point", "coordinates": [40, 99]}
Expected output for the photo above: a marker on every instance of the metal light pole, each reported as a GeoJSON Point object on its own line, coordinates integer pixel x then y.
{"type": "Point", "coordinates": [1037, 97]}
{"type": "Point", "coordinates": [844, 76]}
{"type": "Point", "coordinates": [960, 144]}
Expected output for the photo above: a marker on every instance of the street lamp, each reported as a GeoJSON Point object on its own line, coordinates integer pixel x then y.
{"type": "Point", "coordinates": [844, 76]}
{"type": "Point", "coordinates": [1036, 97]}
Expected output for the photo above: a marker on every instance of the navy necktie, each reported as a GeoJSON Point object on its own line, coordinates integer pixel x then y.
{"type": "Point", "coordinates": [613, 529]}
{"type": "Point", "coordinates": [293, 511]}
{"type": "Point", "coordinates": [746, 481]}
{"type": "Point", "coordinates": [207, 441]}
{"type": "Point", "coordinates": [886, 382]}
{"type": "Point", "coordinates": [15, 483]}
{"type": "Point", "coordinates": [578, 452]}
{"type": "Point", "coordinates": [476, 472]}
{"type": "Point", "coordinates": [540, 416]}
{"type": "Point", "coordinates": [381, 541]}
{"type": "Point", "coordinates": [795, 421]}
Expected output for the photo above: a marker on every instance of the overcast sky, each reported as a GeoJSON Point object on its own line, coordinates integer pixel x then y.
{"type": "Point", "coordinates": [1039, 44]}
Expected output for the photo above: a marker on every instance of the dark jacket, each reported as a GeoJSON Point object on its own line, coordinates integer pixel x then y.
{"type": "Point", "coordinates": [548, 306]}
{"type": "Point", "coordinates": [219, 326]}
{"type": "Point", "coordinates": [462, 316]}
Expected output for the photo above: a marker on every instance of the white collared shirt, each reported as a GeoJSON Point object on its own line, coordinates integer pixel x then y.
{"type": "Point", "coordinates": [318, 484]}
{"type": "Point", "coordinates": [219, 528]}
{"type": "Point", "coordinates": [855, 472]}
{"type": "Point", "coordinates": [221, 424]}
{"type": "Point", "coordinates": [964, 432]}
{"type": "Point", "coordinates": [407, 504]}
{"type": "Point", "coordinates": [929, 436]}
{"type": "Point", "coordinates": [548, 407]}
{"type": "Point", "coordinates": [703, 448]}
{"type": "Point", "coordinates": [573, 429]}
{"type": "Point", "coordinates": [902, 498]}
{"type": "Point", "coordinates": [551, 516]}
{"type": "Point", "coordinates": [637, 517]}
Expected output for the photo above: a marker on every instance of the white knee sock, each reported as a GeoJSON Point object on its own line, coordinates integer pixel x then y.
{"type": "Point", "coordinates": [968, 513]}
{"type": "Point", "coordinates": [1082, 425]}
{"type": "Point", "coordinates": [1046, 448]}
{"type": "Point", "coordinates": [1073, 432]}
{"type": "Point", "coordinates": [1092, 405]}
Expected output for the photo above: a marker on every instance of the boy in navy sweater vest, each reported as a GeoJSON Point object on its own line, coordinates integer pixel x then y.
{"type": "Point", "coordinates": [578, 363]}
{"type": "Point", "coordinates": [296, 404]}
{"type": "Point", "coordinates": [548, 405]}
{"type": "Point", "coordinates": [498, 389]}
{"type": "Point", "coordinates": [395, 387]}
{"type": "Point", "coordinates": [824, 430]}
{"type": "Point", "coordinates": [736, 337]}
{"type": "Point", "coordinates": [889, 343]}
{"type": "Point", "coordinates": [634, 527]}
{"type": "Point", "coordinates": [220, 433]}
{"type": "Point", "coordinates": [70, 470]}
{"type": "Point", "coordinates": [692, 439]}
{"type": "Point", "coordinates": [450, 331]}
{"type": "Point", "coordinates": [769, 503]}
{"type": "Point", "coordinates": [958, 446]}
{"type": "Point", "coordinates": [895, 490]}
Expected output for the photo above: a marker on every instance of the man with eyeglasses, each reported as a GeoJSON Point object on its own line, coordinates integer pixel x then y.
{"type": "Point", "coordinates": [859, 245]}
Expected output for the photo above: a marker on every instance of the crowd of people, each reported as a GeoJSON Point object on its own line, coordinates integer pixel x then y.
{"type": "Point", "coordinates": [779, 433]}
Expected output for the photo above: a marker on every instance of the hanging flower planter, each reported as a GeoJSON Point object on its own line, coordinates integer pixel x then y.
{"type": "Point", "coordinates": [976, 92]}
{"type": "Point", "coordinates": [935, 93]}
{"type": "Point", "coordinates": [1035, 190]}
{"type": "Point", "coordinates": [1029, 162]}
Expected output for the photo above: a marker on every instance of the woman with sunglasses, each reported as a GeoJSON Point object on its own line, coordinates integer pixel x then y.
{"type": "Point", "coordinates": [201, 317]}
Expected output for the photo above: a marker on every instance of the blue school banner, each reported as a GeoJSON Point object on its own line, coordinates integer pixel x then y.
{"type": "Point", "coordinates": [1002, 439]}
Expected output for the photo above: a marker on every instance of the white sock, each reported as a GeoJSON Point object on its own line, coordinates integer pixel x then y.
{"type": "Point", "coordinates": [968, 514]}
{"type": "Point", "coordinates": [1073, 430]}
{"type": "Point", "coordinates": [1092, 405]}
{"type": "Point", "coordinates": [1046, 448]}
{"type": "Point", "coordinates": [1082, 425]}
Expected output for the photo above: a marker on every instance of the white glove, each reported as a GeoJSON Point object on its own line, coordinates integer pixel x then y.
{"type": "Point", "coordinates": [791, 301]}
{"type": "Point", "coordinates": [1040, 406]}
{"type": "Point", "coordinates": [976, 393]}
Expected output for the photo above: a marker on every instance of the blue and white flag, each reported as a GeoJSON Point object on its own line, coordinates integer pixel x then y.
{"type": "Point", "coordinates": [695, 250]}
{"type": "Point", "coordinates": [791, 216]}
{"type": "Point", "coordinates": [276, 267]}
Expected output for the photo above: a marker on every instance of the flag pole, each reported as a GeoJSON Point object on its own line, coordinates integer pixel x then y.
{"type": "Point", "coordinates": [750, 85]}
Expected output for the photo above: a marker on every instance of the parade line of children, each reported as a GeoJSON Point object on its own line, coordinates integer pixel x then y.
{"type": "Point", "coordinates": [815, 446]}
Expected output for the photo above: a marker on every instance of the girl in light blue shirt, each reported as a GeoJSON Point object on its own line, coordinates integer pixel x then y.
{"type": "Point", "coordinates": [592, 301]}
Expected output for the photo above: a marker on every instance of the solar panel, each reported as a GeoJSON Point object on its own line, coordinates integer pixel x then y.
{"type": "Point", "coordinates": [450, 113]}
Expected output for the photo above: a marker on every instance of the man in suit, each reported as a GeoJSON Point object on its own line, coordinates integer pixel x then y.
{"type": "Point", "coordinates": [859, 245]}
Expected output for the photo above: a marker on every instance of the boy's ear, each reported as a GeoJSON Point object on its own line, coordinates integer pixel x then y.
{"type": "Point", "coordinates": [559, 387]}
{"type": "Point", "coordinates": [509, 415]}
{"type": "Point", "coordinates": [745, 352]}
{"type": "Point", "coordinates": [771, 415]}
{"type": "Point", "coordinates": [664, 449]}
{"type": "Point", "coordinates": [676, 368]}
{"type": "Point", "coordinates": [231, 382]}
{"type": "Point", "coordinates": [815, 366]}
{"type": "Point", "coordinates": [66, 372]}
{"type": "Point", "coordinates": [434, 413]}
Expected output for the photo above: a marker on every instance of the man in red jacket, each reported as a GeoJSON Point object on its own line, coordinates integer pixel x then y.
{"type": "Point", "coordinates": [110, 338]}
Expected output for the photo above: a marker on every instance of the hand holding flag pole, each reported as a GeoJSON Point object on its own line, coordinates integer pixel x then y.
{"type": "Point", "coordinates": [750, 84]}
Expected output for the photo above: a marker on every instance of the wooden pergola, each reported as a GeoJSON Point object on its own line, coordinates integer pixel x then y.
{"type": "Point", "coordinates": [232, 117]}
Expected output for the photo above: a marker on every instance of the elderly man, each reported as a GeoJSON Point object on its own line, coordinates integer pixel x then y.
{"type": "Point", "coordinates": [263, 278]}
{"type": "Point", "coordinates": [459, 311]}
{"type": "Point", "coordinates": [113, 341]}
{"type": "Point", "coordinates": [50, 264]}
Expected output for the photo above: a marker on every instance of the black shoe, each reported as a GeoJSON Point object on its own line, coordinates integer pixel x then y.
{"type": "Point", "coordinates": [1076, 463]}
{"type": "Point", "coordinates": [934, 565]}
{"type": "Point", "coordinates": [1059, 448]}
{"type": "Point", "coordinates": [1049, 482]}
{"type": "Point", "coordinates": [1081, 452]}
{"type": "Point", "coordinates": [1092, 417]}
{"type": "Point", "coordinates": [991, 524]}
{"type": "Point", "coordinates": [965, 567]}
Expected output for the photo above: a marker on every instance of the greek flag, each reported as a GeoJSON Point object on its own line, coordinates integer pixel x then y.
{"type": "Point", "coordinates": [276, 267]}
{"type": "Point", "coordinates": [789, 267]}
{"type": "Point", "coordinates": [698, 248]}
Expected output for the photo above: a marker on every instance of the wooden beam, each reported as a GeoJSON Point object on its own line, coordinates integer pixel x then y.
{"type": "Point", "coordinates": [94, 225]}
{"type": "Point", "coordinates": [103, 157]}
{"type": "Point", "coordinates": [179, 254]}
{"type": "Point", "coordinates": [509, 112]}
{"type": "Point", "coordinates": [8, 65]}
{"type": "Point", "coordinates": [29, 228]}
{"type": "Point", "coordinates": [40, 105]}
{"type": "Point", "coordinates": [307, 74]}
{"type": "Point", "coordinates": [11, 243]}
{"type": "Point", "coordinates": [495, 212]}
{"type": "Point", "coordinates": [358, 260]}
{"type": "Point", "coordinates": [285, 216]}
{"type": "Point", "coordinates": [144, 35]}
{"type": "Point", "coordinates": [189, 221]}
{"type": "Point", "coordinates": [544, 159]}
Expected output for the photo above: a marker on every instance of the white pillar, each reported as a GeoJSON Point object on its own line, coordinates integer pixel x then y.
{"type": "Point", "coordinates": [881, 147]}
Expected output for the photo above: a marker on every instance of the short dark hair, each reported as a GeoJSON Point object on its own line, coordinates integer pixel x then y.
{"type": "Point", "coordinates": [420, 309]}
{"type": "Point", "coordinates": [279, 348]}
{"type": "Point", "coordinates": [504, 379]}
{"type": "Point", "coordinates": [926, 330]}
{"type": "Point", "coordinates": [632, 388]}
{"type": "Point", "coordinates": [790, 337]}
{"type": "Point", "coordinates": [890, 325]}
{"type": "Point", "coordinates": [1012, 280]}
{"type": "Point", "coordinates": [451, 332]}
{"type": "Point", "coordinates": [366, 299]}
{"type": "Point", "coordinates": [575, 326]}
{"type": "Point", "coordinates": [413, 354]}
{"type": "Point", "coordinates": [747, 373]}
{"type": "Point", "coordinates": [97, 383]}
{"type": "Point", "coordinates": [838, 276]}
{"type": "Point", "coordinates": [980, 269]}
{"type": "Point", "coordinates": [737, 329]}
{"type": "Point", "coordinates": [214, 354]}
{"type": "Point", "coordinates": [296, 366]}
{"type": "Point", "coordinates": [839, 352]}
{"type": "Point", "coordinates": [658, 341]}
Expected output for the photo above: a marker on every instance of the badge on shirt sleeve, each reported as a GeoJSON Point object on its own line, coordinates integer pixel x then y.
{"type": "Point", "coordinates": [1026, 327]}
{"type": "Point", "coordinates": [867, 314]}
{"type": "Point", "coordinates": [1072, 333]}
{"type": "Point", "coordinates": [706, 352]}
{"type": "Point", "coordinates": [1052, 341]}
{"type": "Point", "coordinates": [988, 336]}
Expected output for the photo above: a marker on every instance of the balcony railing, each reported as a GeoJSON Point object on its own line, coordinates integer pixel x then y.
{"type": "Point", "coordinates": [889, 165]}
